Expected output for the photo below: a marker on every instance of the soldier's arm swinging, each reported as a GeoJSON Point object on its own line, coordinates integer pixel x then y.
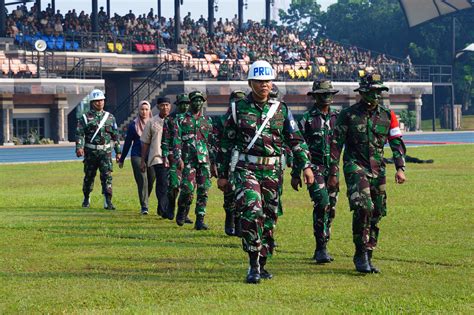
{"type": "Point", "coordinates": [80, 137]}
{"type": "Point", "coordinates": [340, 133]}
{"type": "Point", "coordinates": [294, 139]}
{"type": "Point", "coordinates": [398, 148]}
{"type": "Point", "coordinates": [116, 139]}
{"type": "Point", "coordinates": [225, 151]}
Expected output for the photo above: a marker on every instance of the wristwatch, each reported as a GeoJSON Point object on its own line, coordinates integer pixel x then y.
{"type": "Point", "coordinates": [401, 168]}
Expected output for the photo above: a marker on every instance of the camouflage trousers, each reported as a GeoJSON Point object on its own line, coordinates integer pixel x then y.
{"type": "Point", "coordinates": [229, 199]}
{"type": "Point", "coordinates": [257, 199]}
{"type": "Point", "coordinates": [93, 160]}
{"type": "Point", "coordinates": [174, 180]}
{"type": "Point", "coordinates": [194, 174]}
{"type": "Point", "coordinates": [367, 200]}
{"type": "Point", "coordinates": [324, 207]}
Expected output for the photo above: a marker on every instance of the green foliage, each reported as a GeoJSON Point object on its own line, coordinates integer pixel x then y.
{"type": "Point", "coordinates": [59, 258]}
{"type": "Point", "coordinates": [304, 16]}
{"type": "Point", "coordinates": [408, 117]}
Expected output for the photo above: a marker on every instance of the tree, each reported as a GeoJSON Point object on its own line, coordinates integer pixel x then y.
{"type": "Point", "coordinates": [304, 16]}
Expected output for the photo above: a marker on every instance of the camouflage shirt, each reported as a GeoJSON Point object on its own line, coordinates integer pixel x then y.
{"type": "Point", "coordinates": [193, 138]}
{"type": "Point", "coordinates": [364, 134]}
{"type": "Point", "coordinates": [317, 129]}
{"type": "Point", "coordinates": [281, 128]}
{"type": "Point", "coordinates": [108, 132]}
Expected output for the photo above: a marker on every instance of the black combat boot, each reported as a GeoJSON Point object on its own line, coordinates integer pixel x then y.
{"type": "Point", "coordinates": [86, 203]}
{"type": "Point", "coordinates": [373, 269]}
{"type": "Point", "coordinates": [237, 226]}
{"type": "Point", "coordinates": [253, 275]}
{"type": "Point", "coordinates": [264, 274]}
{"type": "Point", "coordinates": [321, 255]}
{"type": "Point", "coordinates": [108, 205]}
{"type": "Point", "coordinates": [180, 216]}
{"type": "Point", "coordinates": [229, 224]}
{"type": "Point", "coordinates": [200, 225]}
{"type": "Point", "coordinates": [187, 219]}
{"type": "Point", "coordinates": [361, 261]}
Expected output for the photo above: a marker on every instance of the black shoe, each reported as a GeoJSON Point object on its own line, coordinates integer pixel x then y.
{"type": "Point", "coordinates": [361, 262]}
{"type": "Point", "coordinates": [321, 256]}
{"type": "Point", "coordinates": [373, 269]}
{"type": "Point", "coordinates": [169, 216]}
{"type": "Point", "coordinates": [187, 220]}
{"type": "Point", "coordinates": [87, 202]}
{"type": "Point", "coordinates": [229, 224]}
{"type": "Point", "coordinates": [253, 276]}
{"type": "Point", "coordinates": [159, 212]}
{"type": "Point", "coordinates": [264, 274]}
{"type": "Point", "coordinates": [180, 216]}
{"type": "Point", "coordinates": [238, 227]}
{"type": "Point", "coordinates": [200, 225]}
{"type": "Point", "coordinates": [144, 211]}
{"type": "Point", "coordinates": [108, 205]}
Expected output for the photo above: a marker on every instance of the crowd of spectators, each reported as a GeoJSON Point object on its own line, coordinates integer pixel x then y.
{"type": "Point", "coordinates": [277, 44]}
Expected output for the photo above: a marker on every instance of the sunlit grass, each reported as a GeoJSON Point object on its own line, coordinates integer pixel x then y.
{"type": "Point", "coordinates": [57, 257]}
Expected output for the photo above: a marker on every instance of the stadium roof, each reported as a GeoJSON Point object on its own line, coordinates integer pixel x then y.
{"type": "Point", "coordinates": [420, 11]}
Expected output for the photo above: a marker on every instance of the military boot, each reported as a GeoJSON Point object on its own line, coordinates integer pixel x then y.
{"type": "Point", "coordinates": [238, 226]}
{"type": "Point", "coordinates": [86, 203]}
{"type": "Point", "coordinates": [321, 255]}
{"type": "Point", "coordinates": [180, 216]}
{"type": "Point", "coordinates": [264, 274]}
{"type": "Point", "coordinates": [200, 225]}
{"type": "Point", "coordinates": [229, 224]}
{"type": "Point", "coordinates": [253, 275]}
{"type": "Point", "coordinates": [373, 269]}
{"type": "Point", "coordinates": [187, 219]}
{"type": "Point", "coordinates": [108, 205]}
{"type": "Point", "coordinates": [361, 261]}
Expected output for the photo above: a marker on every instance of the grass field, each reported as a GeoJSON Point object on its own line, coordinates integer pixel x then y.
{"type": "Point", "coordinates": [57, 257]}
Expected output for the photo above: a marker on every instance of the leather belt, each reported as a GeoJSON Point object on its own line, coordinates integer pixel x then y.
{"type": "Point", "coordinates": [263, 160]}
{"type": "Point", "coordinates": [98, 146]}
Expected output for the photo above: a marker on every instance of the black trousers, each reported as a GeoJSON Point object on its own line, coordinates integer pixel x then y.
{"type": "Point", "coordinates": [161, 187]}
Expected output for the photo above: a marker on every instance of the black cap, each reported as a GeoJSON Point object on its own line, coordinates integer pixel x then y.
{"type": "Point", "coordinates": [162, 99]}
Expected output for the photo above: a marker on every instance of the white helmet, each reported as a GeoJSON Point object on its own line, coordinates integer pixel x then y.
{"type": "Point", "coordinates": [96, 95]}
{"type": "Point", "coordinates": [261, 70]}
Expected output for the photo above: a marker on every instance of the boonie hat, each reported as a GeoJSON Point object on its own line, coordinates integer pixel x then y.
{"type": "Point", "coordinates": [322, 86]}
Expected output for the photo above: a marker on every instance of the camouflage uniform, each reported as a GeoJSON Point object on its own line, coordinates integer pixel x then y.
{"type": "Point", "coordinates": [257, 173]}
{"type": "Point", "coordinates": [232, 219]}
{"type": "Point", "coordinates": [364, 133]}
{"type": "Point", "coordinates": [317, 129]}
{"type": "Point", "coordinates": [174, 175]}
{"type": "Point", "coordinates": [98, 153]}
{"type": "Point", "coordinates": [192, 145]}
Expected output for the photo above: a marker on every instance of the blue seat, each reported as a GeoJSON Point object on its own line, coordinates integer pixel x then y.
{"type": "Point", "coordinates": [75, 46]}
{"type": "Point", "coordinates": [59, 44]}
{"type": "Point", "coordinates": [68, 45]}
{"type": "Point", "coordinates": [51, 44]}
{"type": "Point", "coordinates": [19, 39]}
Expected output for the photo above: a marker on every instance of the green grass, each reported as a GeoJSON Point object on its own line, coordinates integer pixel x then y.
{"type": "Point", "coordinates": [467, 123]}
{"type": "Point", "coordinates": [57, 257]}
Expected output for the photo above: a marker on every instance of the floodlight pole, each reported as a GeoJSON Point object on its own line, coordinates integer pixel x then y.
{"type": "Point", "coordinates": [453, 61]}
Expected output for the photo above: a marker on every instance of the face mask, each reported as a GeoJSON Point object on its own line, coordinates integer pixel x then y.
{"type": "Point", "coordinates": [324, 99]}
{"type": "Point", "coordinates": [372, 98]}
{"type": "Point", "coordinates": [183, 107]}
{"type": "Point", "coordinates": [196, 104]}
